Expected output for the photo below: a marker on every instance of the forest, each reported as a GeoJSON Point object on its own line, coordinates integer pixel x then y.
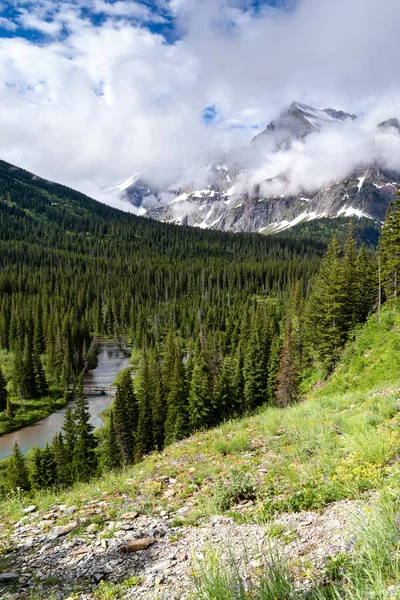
{"type": "Point", "coordinates": [219, 324]}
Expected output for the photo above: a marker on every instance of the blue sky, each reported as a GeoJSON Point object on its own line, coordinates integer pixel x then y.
{"type": "Point", "coordinates": [95, 90]}
{"type": "Point", "coordinates": [11, 24]}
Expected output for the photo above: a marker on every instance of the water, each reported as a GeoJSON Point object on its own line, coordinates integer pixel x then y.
{"type": "Point", "coordinates": [110, 362]}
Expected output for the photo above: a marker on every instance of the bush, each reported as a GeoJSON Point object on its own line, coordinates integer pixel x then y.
{"type": "Point", "coordinates": [239, 487]}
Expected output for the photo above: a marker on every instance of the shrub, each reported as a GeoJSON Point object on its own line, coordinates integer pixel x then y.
{"type": "Point", "coordinates": [239, 487]}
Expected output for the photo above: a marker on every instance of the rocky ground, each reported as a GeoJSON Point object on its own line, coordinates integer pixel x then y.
{"type": "Point", "coordinates": [73, 552]}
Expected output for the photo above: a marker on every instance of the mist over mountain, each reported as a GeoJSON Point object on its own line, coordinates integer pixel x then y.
{"type": "Point", "coordinates": [308, 163]}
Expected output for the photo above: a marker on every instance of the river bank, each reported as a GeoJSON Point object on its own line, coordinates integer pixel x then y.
{"type": "Point", "coordinates": [110, 362]}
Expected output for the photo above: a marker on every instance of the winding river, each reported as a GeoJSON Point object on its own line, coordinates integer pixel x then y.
{"type": "Point", "coordinates": [110, 362]}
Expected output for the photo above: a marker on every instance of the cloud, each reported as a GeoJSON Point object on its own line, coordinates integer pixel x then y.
{"type": "Point", "coordinates": [98, 99]}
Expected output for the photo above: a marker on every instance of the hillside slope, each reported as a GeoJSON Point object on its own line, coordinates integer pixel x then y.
{"type": "Point", "coordinates": [294, 478]}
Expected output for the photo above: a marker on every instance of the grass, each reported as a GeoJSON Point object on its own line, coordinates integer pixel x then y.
{"type": "Point", "coordinates": [368, 569]}
{"type": "Point", "coordinates": [342, 442]}
{"type": "Point", "coordinates": [30, 411]}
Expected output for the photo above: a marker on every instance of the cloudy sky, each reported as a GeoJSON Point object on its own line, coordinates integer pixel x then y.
{"type": "Point", "coordinates": [95, 90]}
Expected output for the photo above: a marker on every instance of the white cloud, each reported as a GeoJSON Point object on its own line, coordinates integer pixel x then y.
{"type": "Point", "coordinates": [91, 107]}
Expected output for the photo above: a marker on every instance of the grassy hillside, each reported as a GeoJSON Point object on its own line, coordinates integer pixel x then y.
{"type": "Point", "coordinates": [342, 442]}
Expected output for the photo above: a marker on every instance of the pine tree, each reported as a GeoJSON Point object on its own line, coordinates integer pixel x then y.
{"type": "Point", "coordinates": [367, 285]}
{"type": "Point", "coordinates": [18, 476]}
{"type": "Point", "coordinates": [40, 377]}
{"type": "Point", "coordinates": [273, 369]}
{"type": "Point", "coordinates": [350, 282]}
{"type": "Point", "coordinates": [49, 469]}
{"type": "Point", "coordinates": [69, 429]}
{"type": "Point", "coordinates": [3, 392]}
{"type": "Point", "coordinates": [84, 461]}
{"type": "Point", "coordinates": [255, 370]}
{"type": "Point", "coordinates": [35, 471]}
{"type": "Point", "coordinates": [29, 385]}
{"type": "Point", "coordinates": [224, 393]}
{"type": "Point", "coordinates": [177, 419]}
{"type": "Point", "coordinates": [326, 323]}
{"type": "Point", "coordinates": [287, 389]}
{"type": "Point", "coordinates": [125, 417]}
{"type": "Point", "coordinates": [62, 461]}
{"type": "Point", "coordinates": [200, 394]}
{"type": "Point", "coordinates": [112, 453]}
{"type": "Point", "coordinates": [389, 249]}
{"type": "Point", "coordinates": [159, 406]}
{"type": "Point", "coordinates": [144, 433]}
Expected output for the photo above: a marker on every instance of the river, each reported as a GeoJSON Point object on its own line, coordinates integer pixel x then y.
{"type": "Point", "coordinates": [110, 362]}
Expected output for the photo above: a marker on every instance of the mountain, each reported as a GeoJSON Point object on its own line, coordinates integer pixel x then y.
{"type": "Point", "coordinates": [231, 198]}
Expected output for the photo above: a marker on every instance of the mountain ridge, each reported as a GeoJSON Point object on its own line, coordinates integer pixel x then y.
{"type": "Point", "coordinates": [232, 201]}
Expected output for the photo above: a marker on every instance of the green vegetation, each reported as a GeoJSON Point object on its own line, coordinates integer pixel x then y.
{"type": "Point", "coordinates": [368, 569]}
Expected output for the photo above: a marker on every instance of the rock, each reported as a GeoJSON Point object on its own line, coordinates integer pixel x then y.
{"type": "Point", "coordinates": [129, 516]}
{"type": "Point", "coordinates": [29, 509]}
{"type": "Point", "coordinates": [80, 551]}
{"type": "Point", "coordinates": [64, 529]}
{"type": "Point", "coordinates": [8, 577]}
{"type": "Point", "coordinates": [136, 545]}
{"type": "Point", "coordinates": [92, 528]}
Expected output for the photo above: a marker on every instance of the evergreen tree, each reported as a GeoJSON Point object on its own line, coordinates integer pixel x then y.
{"type": "Point", "coordinates": [350, 282]}
{"type": "Point", "coordinates": [159, 406]}
{"type": "Point", "coordinates": [62, 461]}
{"type": "Point", "coordinates": [255, 370]}
{"type": "Point", "coordinates": [126, 416]}
{"type": "Point", "coordinates": [3, 392]}
{"type": "Point", "coordinates": [84, 461]}
{"type": "Point", "coordinates": [49, 468]}
{"type": "Point", "coordinates": [18, 477]}
{"type": "Point", "coordinates": [145, 392]}
{"type": "Point", "coordinates": [326, 321]}
{"type": "Point", "coordinates": [40, 377]}
{"type": "Point", "coordinates": [367, 285]}
{"type": "Point", "coordinates": [112, 454]}
{"type": "Point", "coordinates": [389, 249]}
{"type": "Point", "coordinates": [35, 471]}
{"type": "Point", "coordinates": [224, 393]}
{"type": "Point", "coordinates": [273, 369]}
{"type": "Point", "coordinates": [177, 419]}
{"type": "Point", "coordinates": [69, 429]}
{"type": "Point", "coordinates": [287, 389]}
{"type": "Point", "coordinates": [201, 402]}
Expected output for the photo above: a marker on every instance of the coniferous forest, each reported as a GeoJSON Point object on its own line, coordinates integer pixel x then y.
{"type": "Point", "coordinates": [220, 324]}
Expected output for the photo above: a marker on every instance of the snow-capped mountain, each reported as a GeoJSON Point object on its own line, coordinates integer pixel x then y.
{"type": "Point", "coordinates": [233, 199]}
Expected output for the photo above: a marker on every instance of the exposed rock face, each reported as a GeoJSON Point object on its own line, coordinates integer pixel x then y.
{"type": "Point", "coordinates": [222, 204]}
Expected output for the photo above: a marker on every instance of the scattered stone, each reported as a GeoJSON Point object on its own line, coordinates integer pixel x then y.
{"type": "Point", "coordinates": [92, 528]}
{"type": "Point", "coordinates": [29, 509]}
{"type": "Point", "coordinates": [129, 516]}
{"type": "Point", "coordinates": [64, 529]}
{"type": "Point", "coordinates": [137, 545]}
{"type": "Point", "coordinates": [80, 551]}
{"type": "Point", "coordinates": [8, 577]}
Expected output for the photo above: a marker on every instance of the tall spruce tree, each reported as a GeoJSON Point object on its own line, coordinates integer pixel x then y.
{"type": "Point", "coordinates": [326, 322]}
{"type": "Point", "coordinates": [389, 249]}
{"type": "Point", "coordinates": [145, 394]}
{"type": "Point", "coordinates": [177, 419]}
{"type": "Point", "coordinates": [125, 417]}
{"type": "Point", "coordinates": [287, 387]}
{"type": "Point", "coordinates": [70, 433]}
{"type": "Point", "coordinates": [112, 452]}
{"type": "Point", "coordinates": [17, 472]}
{"type": "Point", "coordinates": [84, 461]}
{"type": "Point", "coordinates": [62, 461]}
{"type": "Point", "coordinates": [200, 393]}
